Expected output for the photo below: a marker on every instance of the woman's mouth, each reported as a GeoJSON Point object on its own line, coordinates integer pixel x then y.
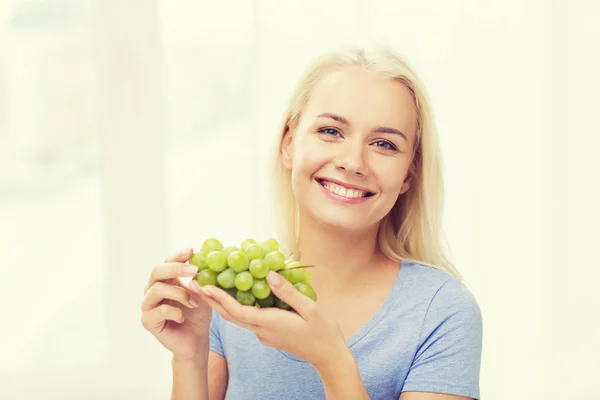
{"type": "Point", "coordinates": [339, 189]}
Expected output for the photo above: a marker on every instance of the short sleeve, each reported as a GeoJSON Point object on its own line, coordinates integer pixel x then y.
{"type": "Point", "coordinates": [448, 359]}
{"type": "Point", "coordinates": [215, 334]}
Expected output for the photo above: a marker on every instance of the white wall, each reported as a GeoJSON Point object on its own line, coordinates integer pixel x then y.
{"type": "Point", "coordinates": [124, 124]}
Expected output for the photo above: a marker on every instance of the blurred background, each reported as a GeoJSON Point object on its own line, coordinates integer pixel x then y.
{"type": "Point", "coordinates": [132, 129]}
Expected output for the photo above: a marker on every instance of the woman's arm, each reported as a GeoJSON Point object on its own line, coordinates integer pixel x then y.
{"type": "Point", "coordinates": [201, 378]}
{"type": "Point", "coordinates": [218, 376]}
{"type": "Point", "coordinates": [341, 378]}
{"type": "Point", "coordinates": [430, 396]}
{"type": "Point", "coordinates": [307, 333]}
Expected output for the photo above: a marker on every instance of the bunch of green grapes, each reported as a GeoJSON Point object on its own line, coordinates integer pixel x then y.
{"type": "Point", "coordinates": [241, 271]}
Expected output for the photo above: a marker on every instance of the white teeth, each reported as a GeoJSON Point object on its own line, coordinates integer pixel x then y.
{"type": "Point", "coordinates": [342, 191]}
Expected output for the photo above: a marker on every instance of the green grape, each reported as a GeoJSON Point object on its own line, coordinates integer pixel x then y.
{"type": "Point", "coordinates": [216, 261]}
{"type": "Point", "coordinates": [211, 245]}
{"type": "Point", "coordinates": [226, 279]}
{"type": "Point", "coordinates": [199, 260]}
{"type": "Point", "coordinates": [238, 261]}
{"type": "Point", "coordinates": [247, 243]}
{"type": "Point", "coordinates": [297, 275]}
{"type": "Point", "coordinates": [261, 289]}
{"type": "Point", "coordinates": [293, 275]}
{"type": "Point", "coordinates": [290, 262]}
{"type": "Point", "coordinates": [306, 290]}
{"type": "Point", "coordinates": [254, 251]}
{"type": "Point", "coordinates": [270, 245]}
{"type": "Point", "coordinates": [206, 277]}
{"type": "Point", "coordinates": [230, 249]}
{"type": "Point", "coordinates": [275, 260]}
{"type": "Point", "coordinates": [241, 272]}
{"type": "Point", "coordinates": [266, 302]}
{"type": "Point", "coordinates": [307, 276]}
{"type": "Point", "coordinates": [259, 268]}
{"type": "Point", "coordinates": [285, 273]}
{"type": "Point", "coordinates": [245, 297]}
{"type": "Point", "coordinates": [281, 304]}
{"type": "Point", "coordinates": [244, 281]}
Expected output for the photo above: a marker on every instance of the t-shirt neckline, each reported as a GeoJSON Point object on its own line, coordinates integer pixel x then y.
{"type": "Point", "coordinates": [376, 319]}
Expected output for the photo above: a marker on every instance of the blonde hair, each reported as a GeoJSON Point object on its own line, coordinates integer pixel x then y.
{"type": "Point", "coordinates": [412, 230]}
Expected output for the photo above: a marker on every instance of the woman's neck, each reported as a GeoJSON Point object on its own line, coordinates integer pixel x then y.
{"type": "Point", "coordinates": [340, 257]}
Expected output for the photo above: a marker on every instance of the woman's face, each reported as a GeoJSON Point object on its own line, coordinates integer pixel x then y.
{"type": "Point", "coordinates": [351, 151]}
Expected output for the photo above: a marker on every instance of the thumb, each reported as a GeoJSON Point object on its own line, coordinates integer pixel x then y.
{"type": "Point", "coordinates": [287, 293]}
{"type": "Point", "coordinates": [182, 256]}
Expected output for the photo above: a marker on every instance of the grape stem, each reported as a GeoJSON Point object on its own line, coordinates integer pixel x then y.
{"type": "Point", "coordinates": [300, 266]}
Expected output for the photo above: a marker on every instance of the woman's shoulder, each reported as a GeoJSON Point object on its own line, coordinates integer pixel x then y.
{"type": "Point", "coordinates": [435, 289]}
{"type": "Point", "coordinates": [448, 332]}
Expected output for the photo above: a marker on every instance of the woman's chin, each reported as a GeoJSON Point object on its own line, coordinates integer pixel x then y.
{"type": "Point", "coordinates": [341, 223]}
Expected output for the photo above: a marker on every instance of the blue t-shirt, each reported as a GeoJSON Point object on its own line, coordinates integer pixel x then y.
{"type": "Point", "coordinates": [426, 337]}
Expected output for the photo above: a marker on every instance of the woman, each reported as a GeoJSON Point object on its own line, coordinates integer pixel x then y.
{"type": "Point", "coordinates": [360, 190]}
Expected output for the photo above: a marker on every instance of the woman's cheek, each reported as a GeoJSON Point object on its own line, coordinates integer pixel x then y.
{"type": "Point", "coordinates": [312, 155]}
{"type": "Point", "coordinates": [392, 183]}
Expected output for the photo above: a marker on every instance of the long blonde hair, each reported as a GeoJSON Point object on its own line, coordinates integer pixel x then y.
{"type": "Point", "coordinates": [412, 230]}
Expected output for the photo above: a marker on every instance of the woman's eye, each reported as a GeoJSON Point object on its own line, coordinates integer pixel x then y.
{"type": "Point", "coordinates": [329, 132]}
{"type": "Point", "coordinates": [384, 144]}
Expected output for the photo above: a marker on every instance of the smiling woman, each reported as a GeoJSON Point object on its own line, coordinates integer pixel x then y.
{"type": "Point", "coordinates": [349, 148]}
{"type": "Point", "coordinates": [359, 194]}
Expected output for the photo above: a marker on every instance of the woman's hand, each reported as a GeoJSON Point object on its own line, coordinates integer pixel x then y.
{"type": "Point", "coordinates": [171, 311]}
{"type": "Point", "coordinates": [307, 333]}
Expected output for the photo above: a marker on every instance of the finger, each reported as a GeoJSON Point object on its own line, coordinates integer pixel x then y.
{"type": "Point", "coordinates": [248, 315]}
{"type": "Point", "coordinates": [155, 319]}
{"type": "Point", "coordinates": [201, 293]}
{"type": "Point", "coordinates": [194, 287]}
{"type": "Point", "coordinates": [182, 256]}
{"type": "Point", "coordinates": [169, 271]}
{"type": "Point", "coordinates": [215, 305]}
{"type": "Point", "coordinates": [160, 291]}
{"type": "Point", "coordinates": [287, 293]}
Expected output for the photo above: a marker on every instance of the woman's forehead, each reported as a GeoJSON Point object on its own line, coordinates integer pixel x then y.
{"type": "Point", "coordinates": [362, 98]}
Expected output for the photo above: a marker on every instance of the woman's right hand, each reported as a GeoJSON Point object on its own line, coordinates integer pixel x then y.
{"type": "Point", "coordinates": [174, 313]}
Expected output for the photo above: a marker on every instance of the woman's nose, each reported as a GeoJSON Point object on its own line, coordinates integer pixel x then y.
{"type": "Point", "coordinates": [352, 160]}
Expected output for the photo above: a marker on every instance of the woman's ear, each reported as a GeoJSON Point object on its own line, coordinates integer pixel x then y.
{"type": "Point", "coordinates": [410, 176]}
{"type": "Point", "coordinates": [286, 148]}
{"type": "Point", "coordinates": [406, 184]}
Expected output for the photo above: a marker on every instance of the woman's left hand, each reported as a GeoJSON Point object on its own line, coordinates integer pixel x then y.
{"type": "Point", "coordinates": [308, 333]}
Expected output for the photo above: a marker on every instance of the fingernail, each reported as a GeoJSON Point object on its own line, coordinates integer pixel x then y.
{"type": "Point", "coordinates": [195, 286]}
{"type": "Point", "coordinates": [194, 302]}
{"type": "Point", "coordinates": [273, 279]}
{"type": "Point", "coordinates": [207, 291]}
{"type": "Point", "coordinates": [190, 270]}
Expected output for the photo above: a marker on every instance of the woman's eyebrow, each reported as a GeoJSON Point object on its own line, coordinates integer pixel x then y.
{"type": "Point", "coordinates": [380, 129]}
